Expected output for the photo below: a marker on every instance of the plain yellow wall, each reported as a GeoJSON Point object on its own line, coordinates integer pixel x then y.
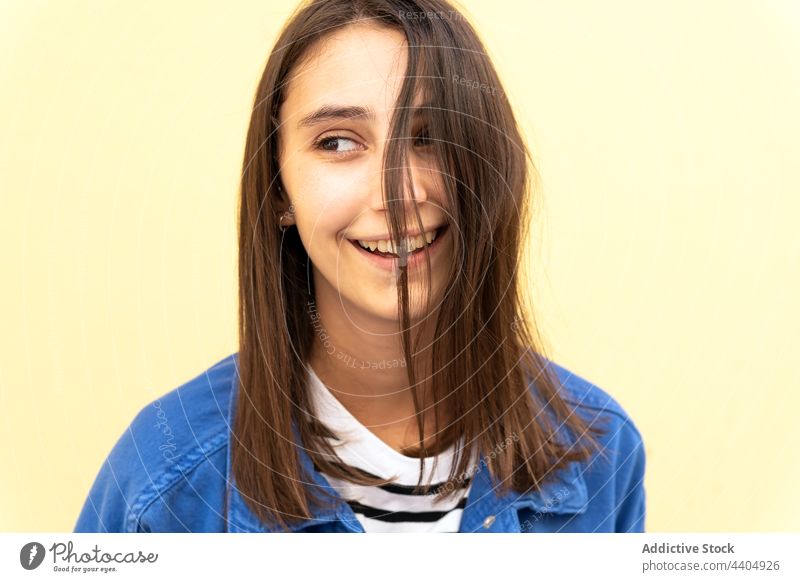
{"type": "Point", "coordinates": [665, 256]}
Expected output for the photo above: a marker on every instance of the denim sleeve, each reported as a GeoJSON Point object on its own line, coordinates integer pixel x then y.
{"type": "Point", "coordinates": [163, 474]}
{"type": "Point", "coordinates": [629, 478]}
{"type": "Point", "coordinates": [107, 508]}
{"type": "Point", "coordinates": [127, 479]}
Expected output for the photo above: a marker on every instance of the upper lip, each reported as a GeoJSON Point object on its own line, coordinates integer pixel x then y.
{"type": "Point", "coordinates": [388, 237]}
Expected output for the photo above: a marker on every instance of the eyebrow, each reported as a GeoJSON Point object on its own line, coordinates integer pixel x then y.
{"type": "Point", "coordinates": [335, 112]}
{"type": "Point", "coordinates": [338, 112]}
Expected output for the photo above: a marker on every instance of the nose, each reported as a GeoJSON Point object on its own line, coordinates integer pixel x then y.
{"type": "Point", "coordinates": [419, 187]}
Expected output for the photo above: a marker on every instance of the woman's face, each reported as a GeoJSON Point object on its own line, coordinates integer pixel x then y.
{"type": "Point", "coordinates": [331, 164]}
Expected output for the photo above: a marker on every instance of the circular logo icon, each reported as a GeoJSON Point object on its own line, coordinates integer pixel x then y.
{"type": "Point", "coordinates": [31, 555]}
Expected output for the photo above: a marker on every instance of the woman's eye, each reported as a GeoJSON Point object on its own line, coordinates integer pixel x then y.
{"type": "Point", "coordinates": [332, 144]}
{"type": "Point", "coordinates": [342, 145]}
{"type": "Point", "coordinates": [423, 139]}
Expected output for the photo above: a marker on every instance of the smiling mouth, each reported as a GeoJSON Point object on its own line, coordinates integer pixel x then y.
{"type": "Point", "coordinates": [384, 248]}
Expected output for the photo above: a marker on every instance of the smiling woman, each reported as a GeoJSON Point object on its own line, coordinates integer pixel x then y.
{"type": "Point", "coordinates": [333, 132]}
{"type": "Point", "coordinates": [382, 219]}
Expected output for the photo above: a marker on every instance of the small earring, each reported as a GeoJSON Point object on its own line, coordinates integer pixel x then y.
{"type": "Point", "coordinates": [288, 216]}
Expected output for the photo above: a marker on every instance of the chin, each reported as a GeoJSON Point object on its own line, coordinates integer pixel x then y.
{"type": "Point", "coordinates": [387, 311]}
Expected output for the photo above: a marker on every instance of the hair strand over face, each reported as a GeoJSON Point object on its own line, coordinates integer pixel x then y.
{"type": "Point", "coordinates": [487, 365]}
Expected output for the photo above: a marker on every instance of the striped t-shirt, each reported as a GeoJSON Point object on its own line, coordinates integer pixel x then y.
{"type": "Point", "coordinates": [392, 507]}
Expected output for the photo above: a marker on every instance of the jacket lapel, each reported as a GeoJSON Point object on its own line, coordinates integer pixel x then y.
{"type": "Point", "coordinates": [486, 511]}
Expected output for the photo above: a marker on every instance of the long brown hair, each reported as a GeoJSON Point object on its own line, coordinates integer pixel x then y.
{"type": "Point", "coordinates": [487, 363]}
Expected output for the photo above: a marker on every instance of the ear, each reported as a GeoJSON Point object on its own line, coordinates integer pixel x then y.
{"type": "Point", "coordinates": [285, 209]}
{"type": "Point", "coordinates": [282, 202]}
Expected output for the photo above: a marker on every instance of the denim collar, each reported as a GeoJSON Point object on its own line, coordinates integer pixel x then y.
{"type": "Point", "coordinates": [486, 511]}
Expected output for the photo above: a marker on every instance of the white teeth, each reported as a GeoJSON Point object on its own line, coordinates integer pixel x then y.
{"type": "Point", "coordinates": [412, 243]}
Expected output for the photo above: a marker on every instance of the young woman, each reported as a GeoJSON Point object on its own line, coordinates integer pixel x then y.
{"type": "Point", "coordinates": [389, 376]}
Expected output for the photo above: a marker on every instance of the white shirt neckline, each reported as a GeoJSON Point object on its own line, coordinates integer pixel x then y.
{"type": "Point", "coordinates": [362, 448]}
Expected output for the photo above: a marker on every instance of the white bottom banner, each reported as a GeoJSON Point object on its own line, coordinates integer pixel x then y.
{"type": "Point", "coordinates": [406, 557]}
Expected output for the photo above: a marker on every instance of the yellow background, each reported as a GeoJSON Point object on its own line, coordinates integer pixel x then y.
{"type": "Point", "coordinates": [666, 251]}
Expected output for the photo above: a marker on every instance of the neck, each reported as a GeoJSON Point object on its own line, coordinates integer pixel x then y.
{"type": "Point", "coordinates": [363, 365]}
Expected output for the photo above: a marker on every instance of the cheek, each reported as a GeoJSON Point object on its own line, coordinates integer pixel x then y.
{"type": "Point", "coordinates": [326, 205]}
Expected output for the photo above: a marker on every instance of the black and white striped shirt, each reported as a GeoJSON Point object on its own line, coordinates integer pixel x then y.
{"type": "Point", "coordinates": [392, 507]}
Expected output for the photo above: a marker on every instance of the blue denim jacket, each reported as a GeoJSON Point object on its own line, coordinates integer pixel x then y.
{"type": "Point", "coordinates": [168, 473]}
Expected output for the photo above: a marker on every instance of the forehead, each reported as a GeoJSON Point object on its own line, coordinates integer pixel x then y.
{"type": "Point", "coordinates": [359, 64]}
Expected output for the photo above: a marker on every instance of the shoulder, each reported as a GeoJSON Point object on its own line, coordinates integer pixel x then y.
{"type": "Point", "coordinates": [615, 477]}
{"type": "Point", "coordinates": [599, 408]}
{"type": "Point", "coordinates": [595, 404]}
{"type": "Point", "coordinates": [171, 457]}
{"type": "Point", "coordinates": [190, 415]}
{"type": "Point", "coordinates": [182, 427]}
{"type": "Point", "coordinates": [578, 390]}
